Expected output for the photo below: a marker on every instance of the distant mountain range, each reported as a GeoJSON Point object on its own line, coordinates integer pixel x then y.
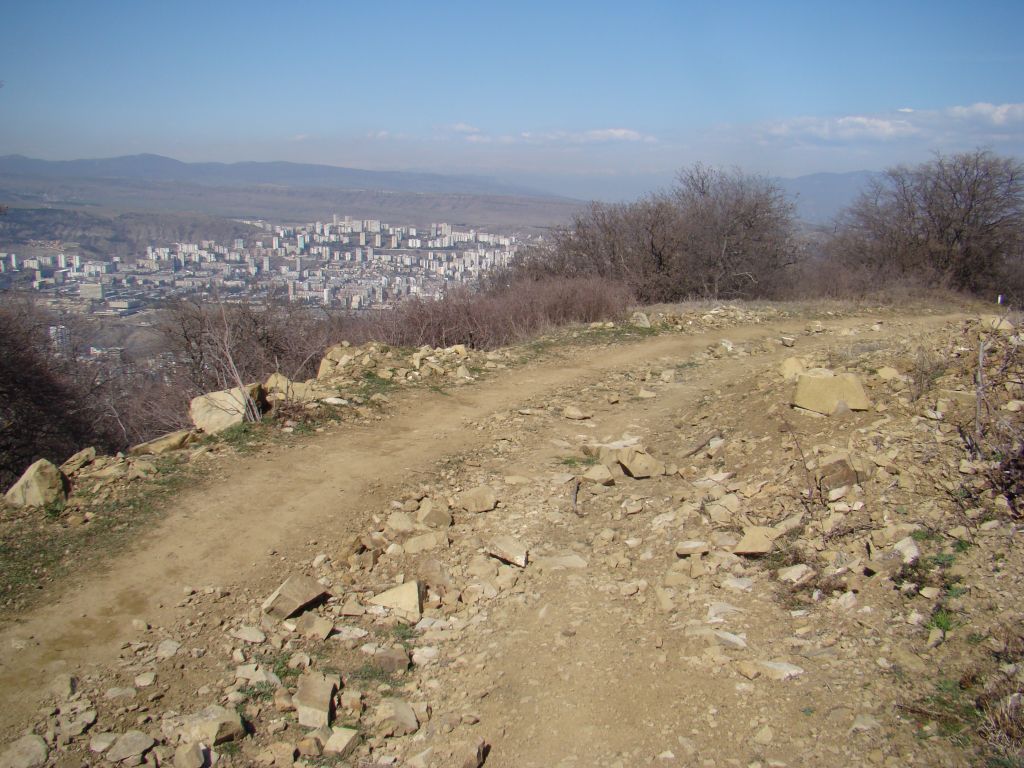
{"type": "Point", "coordinates": [819, 197]}
{"type": "Point", "coordinates": [301, 191]}
{"type": "Point", "coordinates": [283, 174]}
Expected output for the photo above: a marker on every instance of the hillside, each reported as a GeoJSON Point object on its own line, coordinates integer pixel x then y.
{"type": "Point", "coordinates": [281, 192]}
{"type": "Point", "coordinates": [619, 546]}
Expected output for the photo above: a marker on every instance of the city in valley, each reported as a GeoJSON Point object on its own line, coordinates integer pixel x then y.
{"type": "Point", "coordinates": [344, 264]}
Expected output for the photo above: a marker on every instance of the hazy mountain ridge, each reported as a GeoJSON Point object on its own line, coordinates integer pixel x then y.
{"type": "Point", "coordinates": [151, 167]}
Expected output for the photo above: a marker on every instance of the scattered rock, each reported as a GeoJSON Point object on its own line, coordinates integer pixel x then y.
{"type": "Point", "coordinates": [404, 601]}
{"type": "Point", "coordinates": [823, 392]}
{"type": "Point", "coordinates": [314, 699]}
{"type": "Point", "coordinates": [216, 411]}
{"type": "Point", "coordinates": [296, 593]}
{"type": "Point", "coordinates": [27, 752]}
{"type": "Point", "coordinates": [509, 550]}
{"type": "Point", "coordinates": [41, 485]}
{"type": "Point", "coordinates": [212, 725]}
{"type": "Point", "coordinates": [131, 744]}
{"type": "Point", "coordinates": [396, 718]}
{"type": "Point", "coordinates": [342, 742]}
{"type": "Point", "coordinates": [479, 499]}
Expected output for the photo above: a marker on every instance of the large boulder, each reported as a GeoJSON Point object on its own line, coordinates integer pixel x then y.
{"type": "Point", "coordinates": [41, 485]}
{"type": "Point", "coordinates": [216, 411]}
{"type": "Point", "coordinates": [823, 391]}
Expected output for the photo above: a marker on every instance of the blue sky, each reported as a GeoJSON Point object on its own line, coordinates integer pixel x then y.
{"type": "Point", "coordinates": [556, 91]}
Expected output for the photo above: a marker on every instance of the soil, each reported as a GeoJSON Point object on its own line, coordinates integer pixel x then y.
{"type": "Point", "coordinates": [568, 668]}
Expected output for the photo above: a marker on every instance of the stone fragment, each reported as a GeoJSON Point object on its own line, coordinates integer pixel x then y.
{"type": "Point", "coordinates": [823, 392]}
{"type": "Point", "coordinates": [212, 725]}
{"type": "Point", "coordinates": [400, 522]}
{"type": "Point", "coordinates": [687, 548]}
{"type": "Point", "coordinates": [426, 542]}
{"type": "Point", "coordinates": [729, 640]}
{"type": "Point", "coordinates": [757, 540]}
{"type": "Point", "coordinates": [396, 718]}
{"type": "Point", "coordinates": [27, 752]}
{"type": "Point", "coordinates": [173, 441]}
{"type": "Point", "coordinates": [216, 411]}
{"type": "Point", "coordinates": [509, 550]}
{"type": "Point", "coordinates": [864, 722]}
{"type": "Point", "coordinates": [796, 574]}
{"type": "Point", "coordinates": [841, 469]}
{"type": "Point", "coordinates": [640, 320]}
{"type": "Point", "coordinates": [342, 742]}
{"type": "Point", "coordinates": [392, 660]}
{"type": "Point", "coordinates": [314, 699]}
{"type": "Point", "coordinates": [779, 670]}
{"type": "Point", "coordinates": [791, 367]}
{"type": "Point", "coordinates": [575, 414]}
{"type": "Point", "coordinates": [314, 626]}
{"type": "Point", "coordinates": [908, 550]}
{"type": "Point", "coordinates": [639, 464]}
{"type": "Point", "coordinates": [191, 755]}
{"type": "Point", "coordinates": [101, 742]}
{"type": "Point", "coordinates": [248, 634]}
{"type": "Point", "coordinates": [167, 649]}
{"type": "Point", "coordinates": [131, 744]}
{"type": "Point", "coordinates": [78, 460]}
{"type": "Point", "coordinates": [479, 499]}
{"type": "Point", "coordinates": [41, 485]}
{"type": "Point", "coordinates": [64, 686]}
{"type": "Point", "coordinates": [599, 474]}
{"type": "Point", "coordinates": [296, 593]}
{"type": "Point", "coordinates": [403, 600]}
{"type": "Point", "coordinates": [560, 562]}
{"type": "Point", "coordinates": [472, 755]}
{"type": "Point", "coordinates": [433, 516]}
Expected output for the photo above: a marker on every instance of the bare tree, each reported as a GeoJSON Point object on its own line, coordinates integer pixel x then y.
{"type": "Point", "coordinates": [715, 234]}
{"type": "Point", "coordinates": [956, 222]}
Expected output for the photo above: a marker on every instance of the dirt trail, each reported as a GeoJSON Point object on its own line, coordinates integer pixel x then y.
{"type": "Point", "coordinates": [263, 509]}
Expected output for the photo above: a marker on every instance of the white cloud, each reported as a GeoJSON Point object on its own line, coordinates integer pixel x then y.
{"type": "Point", "coordinates": [847, 128]}
{"type": "Point", "coordinates": [465, 128]}
{"type": "Point", "coordinates": [966, 126]}
{"type": "Point", "coordinates": [996, 114]}
{"type": "Point", "coordinates": [593, 136]}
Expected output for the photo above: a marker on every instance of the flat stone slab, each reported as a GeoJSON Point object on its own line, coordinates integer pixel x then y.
{"type": "Point", "coordinates": [296, 593]}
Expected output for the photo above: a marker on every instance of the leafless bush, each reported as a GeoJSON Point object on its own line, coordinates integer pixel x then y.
{"type": "Point", "coordinates": [52, 401]}
{"type": "Point", "coordinates": [955, 222]}
{"type": "Point", "coordinates": [219, 345]}
{"type": "Point", "coordinates": [504, 313]}
{"type": "Point", "coordinates": [926, 369]}
{"type": "Point", "coordinates": [716, 234]}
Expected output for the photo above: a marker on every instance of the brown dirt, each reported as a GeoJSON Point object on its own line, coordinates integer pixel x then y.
{"type": "Point", "coordinates": [566, 672]}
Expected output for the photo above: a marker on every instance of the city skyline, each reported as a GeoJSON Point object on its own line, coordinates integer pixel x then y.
{"type": "Point", "coordinates": [548, 95]}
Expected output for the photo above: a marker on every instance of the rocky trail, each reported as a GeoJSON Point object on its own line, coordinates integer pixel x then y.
{"type": "Point", "coordinates": [617, 555]}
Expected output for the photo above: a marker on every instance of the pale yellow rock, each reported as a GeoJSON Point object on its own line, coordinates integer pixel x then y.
{"type": "Point", "coordinates": [823, 393]}
{"type": "Point", "coordinates": [639, 464]}
{"type": "Point", "coordinates": [403, 600]}
{"type": "Point", "coordinates": [173, 441]}
{"type": "Point", "coordinates": [479, 499]}
{"type": "Point", "coordinates": [757, 540]}
{"type": "Point", "coordinates": [791, 367]}
{"type": "Point", "coordinates": [42, 484]}
{"type": "Point", "coordinates": [216, 411]}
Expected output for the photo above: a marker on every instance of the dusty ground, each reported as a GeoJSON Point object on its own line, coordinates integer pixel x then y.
{"type": "Point", "coordinates": [608, 664]}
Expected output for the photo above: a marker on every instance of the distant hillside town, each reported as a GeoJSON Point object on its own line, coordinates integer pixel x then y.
{"type": "Point", "coordinates": [345, 264]}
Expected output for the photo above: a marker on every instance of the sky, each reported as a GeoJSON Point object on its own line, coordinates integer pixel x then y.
{"type": "Point", "coordinates": [574, 96]}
